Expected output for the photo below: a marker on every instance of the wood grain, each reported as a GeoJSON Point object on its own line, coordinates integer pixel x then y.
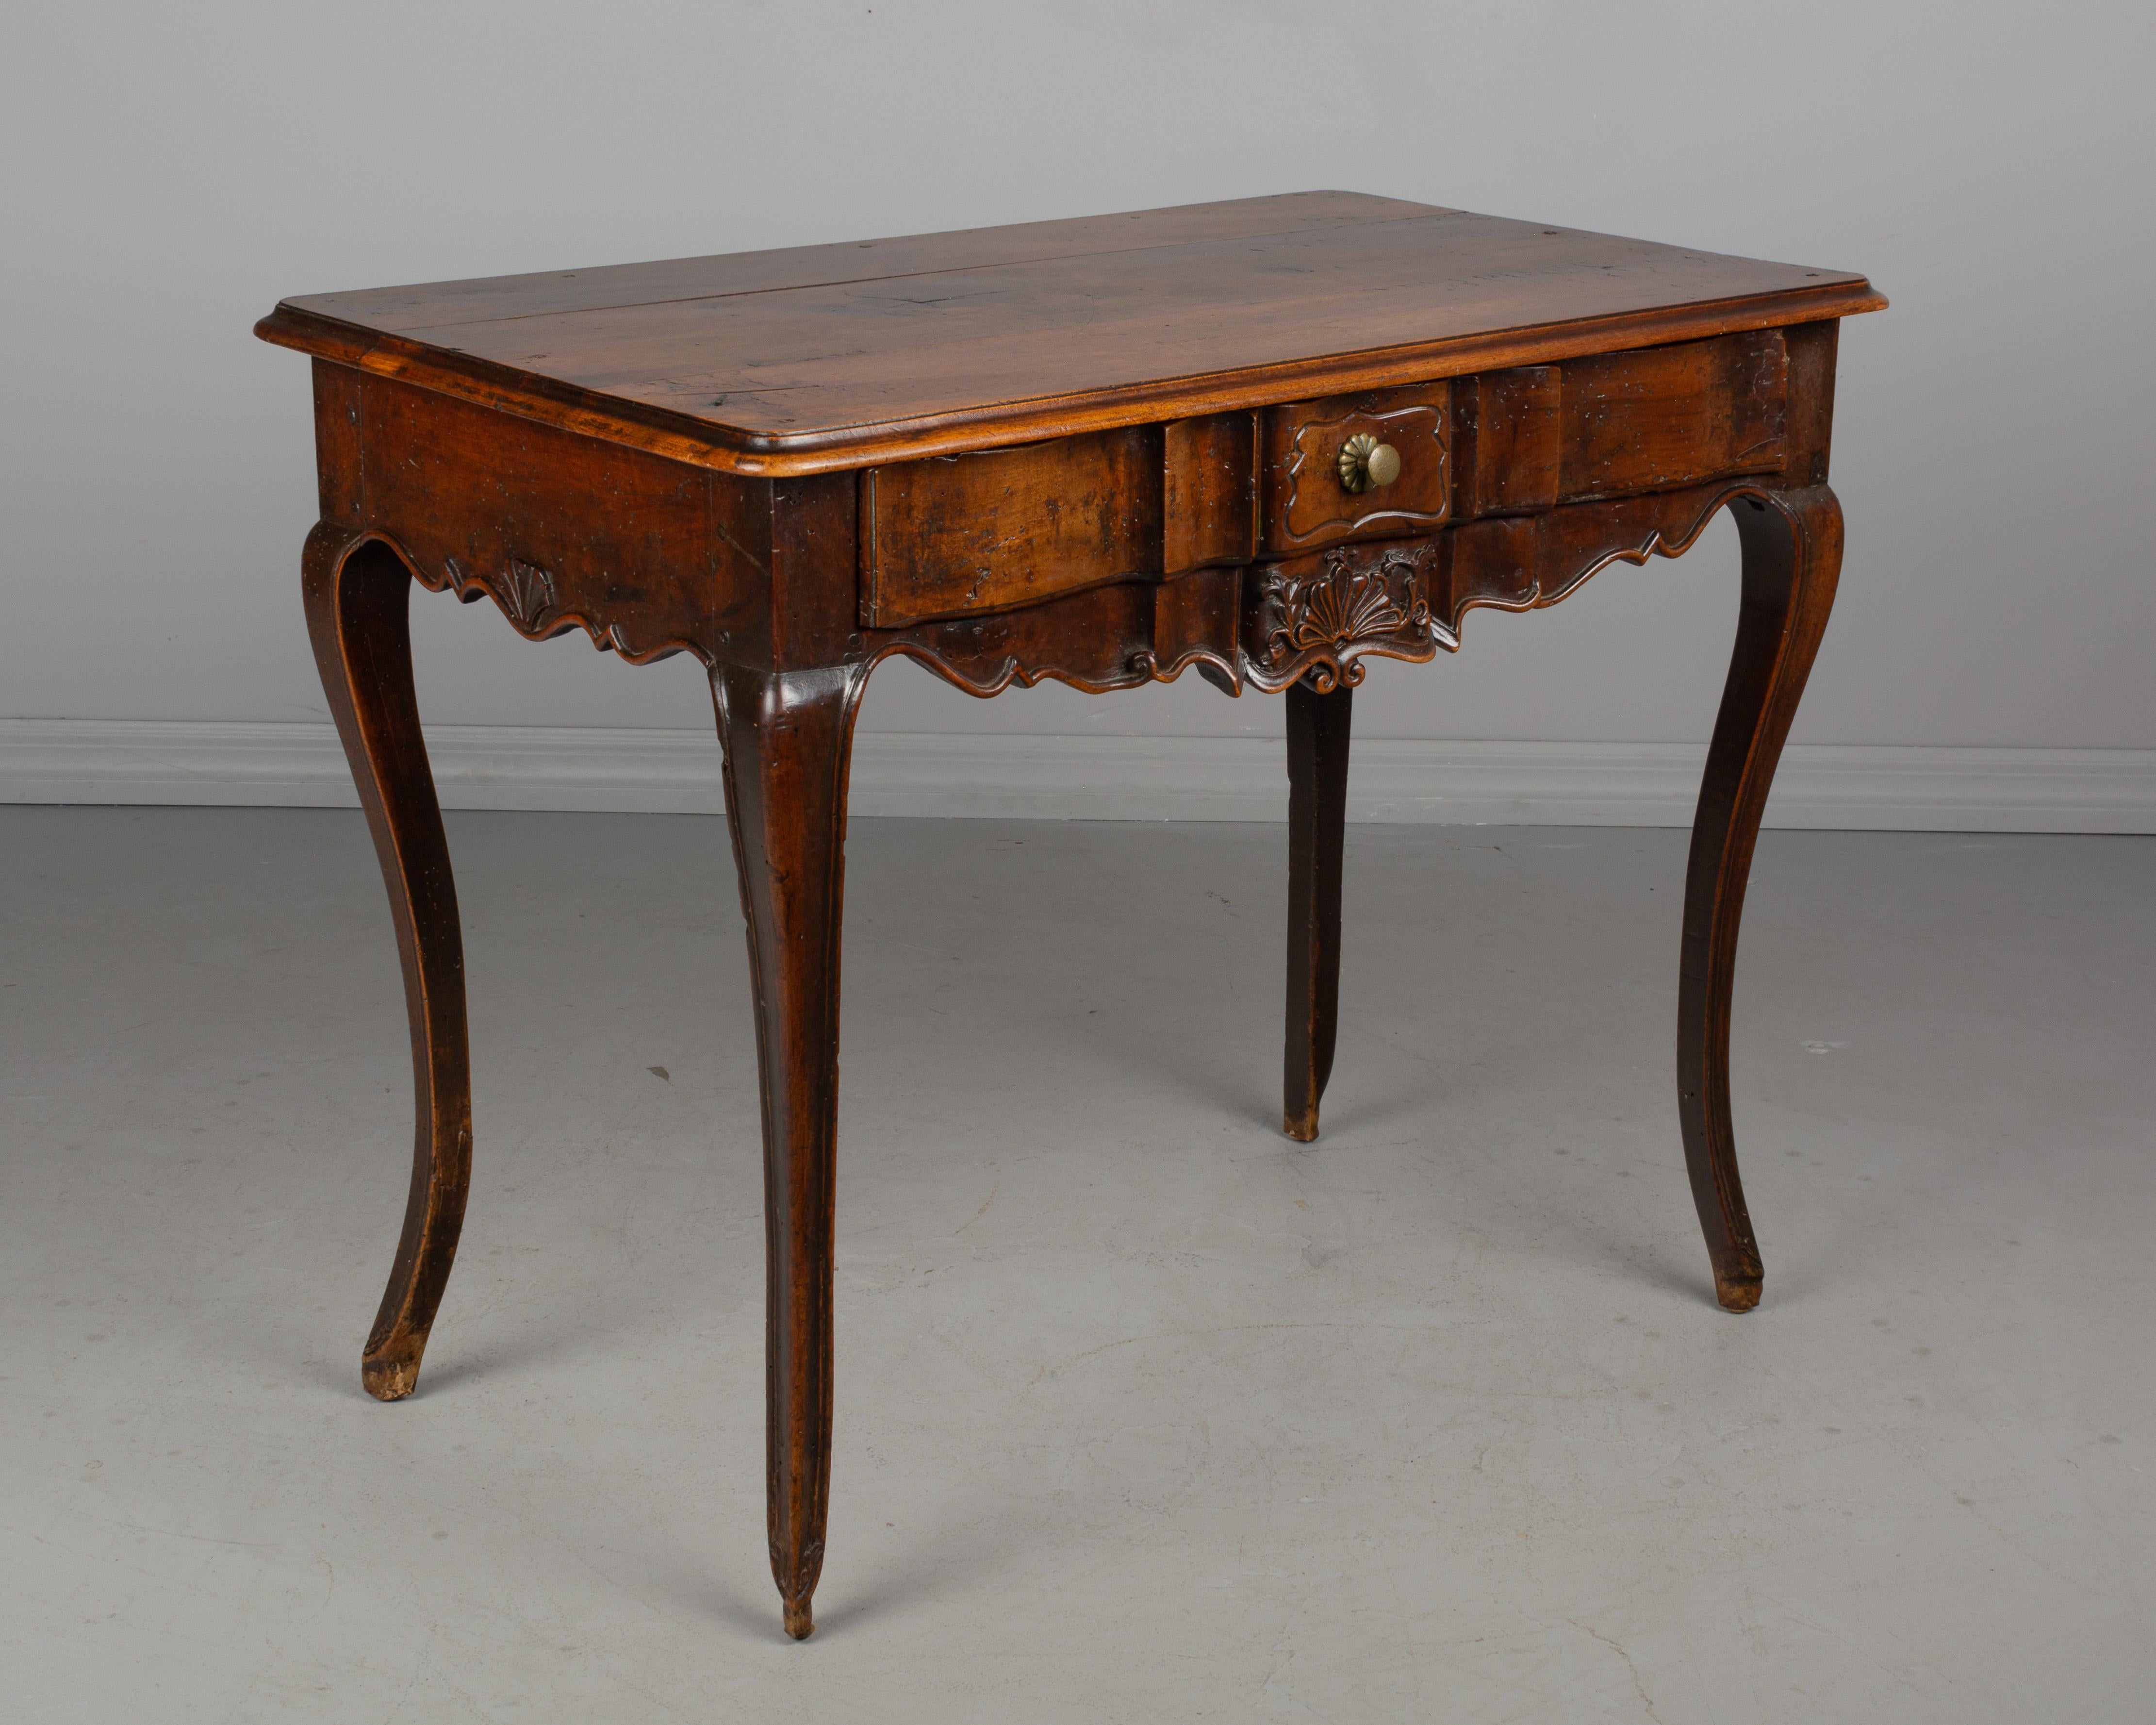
{"type": "Point", "coordinates": [1653, 421]}
{"type": "Point", "coordinates": [1792, 545]}
{"type": "Point", "coordinates": [677, 560]}
{"type": "Point", "coordinates": [1318, 728]}
{"type": "Point", "coordinates": [976, 343]}
{"type": "Point", "coordinates": [788, 739]}
{"type": "Point", "coordinates": [1307, 505]}
{"type": "Point", "coordinates": [1620, 424]}
{"type": "Point", "coordinates": [959, 534]}
{"type": "Point", "coordinates": [1209, 497]}
{"type": "Point", "coordinates": [357, 594]}
{"type": "Point", "coordinates": [1103, 452]}
{"type": "Point", "coordinates": [444, 305]}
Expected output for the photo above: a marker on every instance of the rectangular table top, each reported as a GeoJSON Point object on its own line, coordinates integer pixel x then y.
{"type": "Point", "coordinates": [814, 358]}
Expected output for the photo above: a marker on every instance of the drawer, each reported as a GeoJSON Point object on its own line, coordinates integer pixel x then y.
{"type": "Point", "coordinates": [956, 536]}
{"type": "Point", "coordinates": [1618, 424]}
{"type": "Point", "coordinates": [1368, 466]}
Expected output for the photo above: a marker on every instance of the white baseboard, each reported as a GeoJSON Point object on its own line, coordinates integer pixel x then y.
{"type": "Point", "coordinates": [1098, 777]}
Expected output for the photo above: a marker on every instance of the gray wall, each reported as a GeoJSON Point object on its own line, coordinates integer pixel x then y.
{"type": "Point", "coordinates": [171, 172]}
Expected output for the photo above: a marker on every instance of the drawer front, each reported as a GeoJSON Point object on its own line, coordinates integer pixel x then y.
{"type": "Point", "coordinates": [956, 536]}
{"type": "Point", "coordinates": [1618, 424]}
{"type": "Point", "coordinates": [960, 536]}
{"type": "Point", "coordinates": [1310, 501]}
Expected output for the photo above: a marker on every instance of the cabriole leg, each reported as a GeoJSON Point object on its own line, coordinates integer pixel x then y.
{"type": "Point", "coordinates": [1792, 545]}
{"type": "Point", "coordinates": [1317, 729]}
{"type": "Point", "coordinates": [358, 598]}
{"type": "Point", "coordinates": [788, 737]}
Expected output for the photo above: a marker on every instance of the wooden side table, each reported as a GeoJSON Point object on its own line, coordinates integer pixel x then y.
{"type": "Point", "coordinates": [1265, 438]}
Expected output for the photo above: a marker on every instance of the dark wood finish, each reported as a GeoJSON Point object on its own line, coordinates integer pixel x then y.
{"type": "Point", "coordinates": [1306, 506]}
{"type": "Point", "coordinates": [780, 363]}
{"type": "Point", "coordinates": [358, 600]}
{"type": "Point", "coordinates": [1621, 424]}
{"type": "Point", "coordinates": [1809, 421]}
{"type": "Point", "coordinates": [958, 534]}
{"type": "Point", "coordinates": [436, 306]}
{"type": "Point", "coordinates": [1318, 733]}
{"type": "Point", "coordinates": [1096, 451]}
{"type": "Point", "coordinates": [1508, 452]}
{"type": "Point", "coordinates": [1209, 512]}
{"type": "Point", "coordinates": [676, 559]}
{"type": "Point", "coordinates": [1674, 416]}
{"type": "Point", "coordinates": [787, 738]}
{"type": "Point", "coordinates": [1193, 623]}
{"type": "Point", "coordinates": [1791, 544]}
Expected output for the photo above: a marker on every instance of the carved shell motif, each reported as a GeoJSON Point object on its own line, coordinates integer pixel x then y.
{"type": "Point", "coordinates": [523, 591]}
{"type": "Point", "coordinates": [527, 593]}
{"type": "Point", "coordinates": [1340, 613]}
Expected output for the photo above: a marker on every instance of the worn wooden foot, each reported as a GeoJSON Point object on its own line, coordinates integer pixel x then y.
{"type": "Point", "coordinates": [1792, 558]}
{"type": "Point", "coordinates": [1317, 731]}
{"type": "Point", "coordinates": [789, 737]}
{"type": "Point", "coordinates": [358, 597]}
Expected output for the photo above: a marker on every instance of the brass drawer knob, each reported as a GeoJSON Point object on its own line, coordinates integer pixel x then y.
{"type": "Point", "coordinates": [1367, 464]}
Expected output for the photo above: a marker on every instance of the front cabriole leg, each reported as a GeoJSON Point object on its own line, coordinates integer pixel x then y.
{"type": "Point", "coordinates": [1792, 546]}
{"type": "Point", "coordinates": [788, 738]}
{"type": "Point", "coordinates": [358, 596]}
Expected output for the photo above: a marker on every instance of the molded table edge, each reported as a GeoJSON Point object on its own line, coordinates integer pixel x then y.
{"type": "Point", "coordinates": [729, 449]}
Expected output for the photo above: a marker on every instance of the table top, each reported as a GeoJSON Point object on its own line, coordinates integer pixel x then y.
{"type": "Point", "coordinates": [820, 357]}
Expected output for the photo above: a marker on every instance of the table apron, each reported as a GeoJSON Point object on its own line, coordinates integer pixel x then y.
{"type": "Point", "coordinates": [1228, 543]}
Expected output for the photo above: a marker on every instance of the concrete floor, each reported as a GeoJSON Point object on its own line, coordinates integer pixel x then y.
{"type": "Point", "coordinates": [1145, 1413]}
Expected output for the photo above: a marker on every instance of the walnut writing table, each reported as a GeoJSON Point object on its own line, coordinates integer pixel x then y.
{"type": "Point", "coordinates": [1264, 438]}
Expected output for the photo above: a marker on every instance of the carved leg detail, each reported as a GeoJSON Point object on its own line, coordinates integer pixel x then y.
{"type": "Point", "coordinates": [358, 603]}
{"type": "Point", "coordinates": [1792, 545]}
{"type": "Point", "coordinates": [1318, 732]}
{"type": "Point", "coordinates": [789, 737]}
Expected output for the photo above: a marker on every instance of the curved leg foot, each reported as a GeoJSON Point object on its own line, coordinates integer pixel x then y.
{"type": "Point", "coordinates": [789, 737]}
{"type": "Point", "coordinates": [1791, 557]}
{"type": "Point", "coordinates": [358, 600]}
{"type": "Point", "coordinates": [1317, 735]}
